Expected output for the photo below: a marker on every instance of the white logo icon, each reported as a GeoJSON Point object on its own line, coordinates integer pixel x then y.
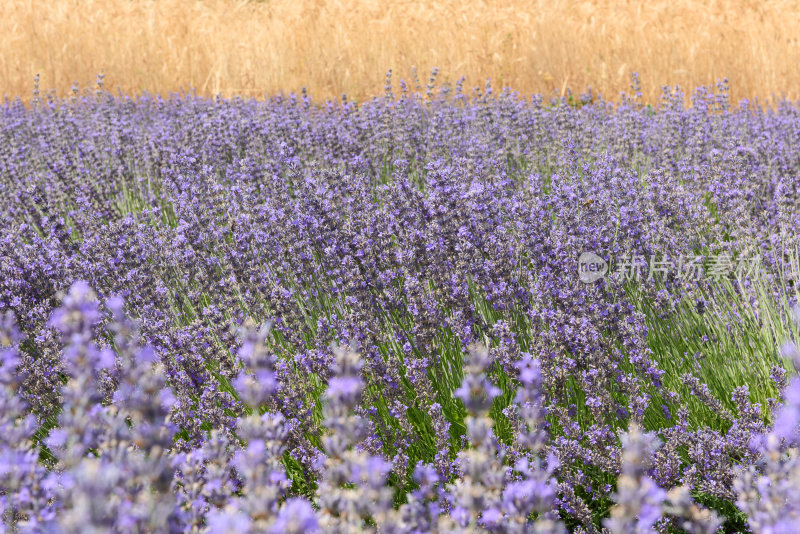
{"type": "Point", "coordinates": [591, 267]}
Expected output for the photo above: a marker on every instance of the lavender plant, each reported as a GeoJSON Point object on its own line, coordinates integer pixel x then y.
{"type": "Point", "coordinates": [494, 388]}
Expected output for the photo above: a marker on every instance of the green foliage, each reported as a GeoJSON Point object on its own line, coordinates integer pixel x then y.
{"type": "Point", "coordinates": [730, 341]}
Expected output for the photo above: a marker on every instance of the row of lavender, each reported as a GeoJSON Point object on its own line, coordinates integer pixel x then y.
{"type": "Point", "coordinates": [415, 229]}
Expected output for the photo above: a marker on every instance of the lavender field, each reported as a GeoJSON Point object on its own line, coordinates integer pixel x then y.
{"type": "Point", "coordinates": [436, 311]}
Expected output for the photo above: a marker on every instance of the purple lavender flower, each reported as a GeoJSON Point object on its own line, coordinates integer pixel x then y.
{"type": "Point", "coordinates": [639, 500]}
{"type": "Point", "coordinates": [296, 517]}
{"type": "Point", "coordinates": [767, 491]}
{"type": "Point", "coordinates": [258, 384]}
{"type": "Point", "coordinates": [476, 494]}
{"type": "Point", "coordinates": [415, 225]}
{"type": "Point", "coordinates": [26, 499]}
{"type": "Point", "coordinates": [342, 507]}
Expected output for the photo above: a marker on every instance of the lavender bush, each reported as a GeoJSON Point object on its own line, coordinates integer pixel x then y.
{"type": "Point", "coordinates": [277, 316]}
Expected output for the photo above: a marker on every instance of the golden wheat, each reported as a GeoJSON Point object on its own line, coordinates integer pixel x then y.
{"type": "Point", "coordinates": [334, 47]}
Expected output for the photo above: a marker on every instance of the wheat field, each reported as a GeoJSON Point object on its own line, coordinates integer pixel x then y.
{"type": "Point", "coordinates": [334, 47]}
